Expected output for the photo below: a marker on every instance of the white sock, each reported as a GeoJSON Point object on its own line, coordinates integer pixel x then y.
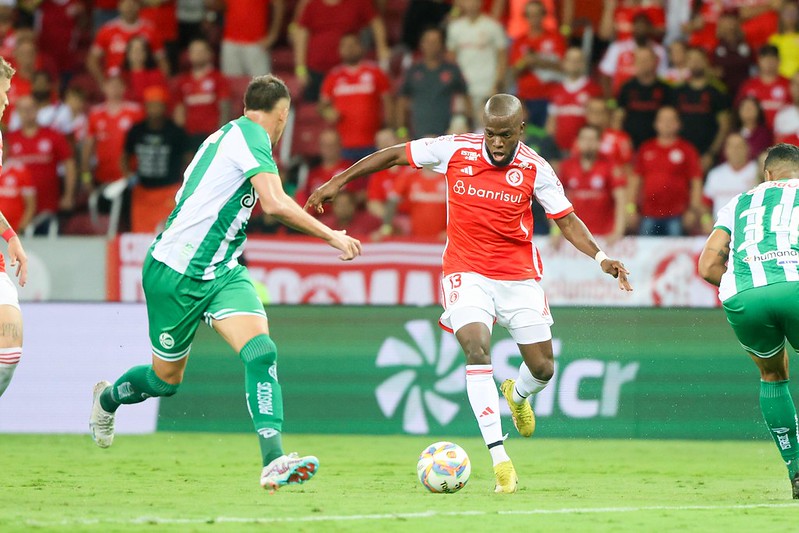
{"type": "Point", "coordinates": [527, 384]}
{"type": "Point", "coordinates": [6, 372]}
{"type": "Point", "coordinates": [484, 399]}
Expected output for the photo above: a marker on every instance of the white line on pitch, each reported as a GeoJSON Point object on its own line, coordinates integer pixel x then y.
{"type": "Point", "coordinates": [394, 516]}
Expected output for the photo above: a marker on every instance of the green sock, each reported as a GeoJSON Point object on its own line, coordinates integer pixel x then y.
{"type": "Point", "coordinates": [264, 396]}
{"type": "Point", "coordinates": [779, 412]}
{"type": "Point", "coordinates": [134, 386]}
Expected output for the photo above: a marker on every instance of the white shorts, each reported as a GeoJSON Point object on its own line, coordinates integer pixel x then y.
{"type": "Point", "coordinates": [8, 291]}
{"type": "Point", "coordinates": [518, 306]}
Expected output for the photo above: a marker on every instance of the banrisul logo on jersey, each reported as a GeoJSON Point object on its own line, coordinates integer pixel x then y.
{"type": "Point", "coordinates": [428, 382]}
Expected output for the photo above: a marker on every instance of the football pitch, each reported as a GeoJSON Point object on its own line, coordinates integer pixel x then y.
{"type": "Point", "coordinates": [209, 482]}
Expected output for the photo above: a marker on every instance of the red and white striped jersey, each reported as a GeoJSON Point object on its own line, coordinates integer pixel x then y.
{"type": "Point", "coordinates": [489, 216]}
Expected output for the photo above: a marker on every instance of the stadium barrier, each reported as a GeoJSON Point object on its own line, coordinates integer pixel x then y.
{"type": "Point", "coordinates": [621, 373]}
{"type": "Point", "coordinates": [305, 271]}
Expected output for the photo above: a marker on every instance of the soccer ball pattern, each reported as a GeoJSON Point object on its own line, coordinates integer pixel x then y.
{"type": "Point", "coordinates": [443, 467]}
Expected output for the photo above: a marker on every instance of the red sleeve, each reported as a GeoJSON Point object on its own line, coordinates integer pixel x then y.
{"type": "Point", "coordinates": [617, 177]}
{"type": "Point", "coordinates": [102, 39]}
{"type": "Point", "coordinates": [61, 147]}
{"type": "Point", "coordinates": [25, 179]}
{"type": "Point", "coordinates": [515, 50]}
{"type": "Point", "coordinates": [91, 126]}
{"type": "Point", "coordinates": [560, 45]}
{"type": "Point", "coordinates": [594, 90]}
{"type": "Point", "coordinates": [402, 184]}
{"type": "Point", "coordinates": [177, 89]}
{"type": "Point", "coordinates": [639, 162]}
{"type": "Point", "coordinates": [375, 189]}
{"type": "Point", "coordinates": [155, 40]}
{"type": "Point", "coordinates": [222, 87]}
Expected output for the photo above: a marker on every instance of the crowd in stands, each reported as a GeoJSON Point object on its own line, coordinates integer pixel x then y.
{"type": "Point", "coordinates": [654, 113]}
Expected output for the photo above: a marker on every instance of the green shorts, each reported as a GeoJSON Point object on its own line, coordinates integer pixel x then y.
{"type": "Point", "coordinates": [176, 304]}
{"type": "Point", "coordinates": [763, 317]}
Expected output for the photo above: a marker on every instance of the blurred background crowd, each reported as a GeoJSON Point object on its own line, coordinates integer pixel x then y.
{"type": "Point", "coordinates": [654, 113]}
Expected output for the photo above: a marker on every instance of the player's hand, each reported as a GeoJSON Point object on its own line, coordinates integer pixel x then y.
{"type": "Point", "coordinates": [18, 259]}
{"type": "Point", "coordinates": [617, 270]}
{"type": "Point", "coordinates": [323, 194]}
{"type": "Point", "coordinates": [350, 248]}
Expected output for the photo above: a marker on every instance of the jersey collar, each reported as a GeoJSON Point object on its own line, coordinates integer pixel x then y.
{"type": "Point", "coordinates": [488, 159]}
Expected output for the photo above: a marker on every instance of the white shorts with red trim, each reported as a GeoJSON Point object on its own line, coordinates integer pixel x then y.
{"type": "Point", "coordinates": [518, 306]}
{"type": "Point", "coordinates": [8, 291]}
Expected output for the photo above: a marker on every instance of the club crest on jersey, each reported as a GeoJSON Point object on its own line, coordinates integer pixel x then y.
{"type": "Point", "coordinates": [514, 177]}
{"type": "Point", "coordinates": [470, 155]}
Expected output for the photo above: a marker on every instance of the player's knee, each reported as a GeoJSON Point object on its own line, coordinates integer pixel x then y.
{"type": "Point", "coordinates": [543, 369]}
{"type": "Point", "coordinates": [260, 350]}
{"type": "Point", "coordinates": [476, 353]}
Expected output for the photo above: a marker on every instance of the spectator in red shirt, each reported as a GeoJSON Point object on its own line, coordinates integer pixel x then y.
{"type": "Point", "coordinates": [140, 70]}
{"type": "Point", "coordinates": [8, 35]}
{"type": "Point", "coordinates": [535, 60]}
{"type": "Point", "coordinates": [618, 64]}
{"type": "Point", "coordinates": [202, 95]}
{"type": "Point", "coordinates": [162, 14]}
{"type": "Point", "coordinates": [667, 183]}
{"type": "Point", "coordinates": [331, 164]}
{"type": "Point", "coordinates": [595, 186]}
{"type": "Point", "coordinates": [615, 144]}
{"type": "Point", "coordinates": [381, 184]}
{"type": "Point", "coordinates": [568, 99]}
{"type": "Point", "coordinates": [750, 123]}
{"type": "Point", "coordinates": [768, 87]}
{"type": "Point", "coordinates": [107, 128]}
{"type": "Point", "coordinates": [57, 22]}
{"type": "Point", "coordinates": [732, 56]}
{"type": "Point", "coordinates": [320, 27]}
{"type": "Point", "coordinates": [356, 99]}
{"type": "Point", "coordinates": [618, 18]}
{"type": "Point", "coordinates": [250, 32]}
{"type": "Point", "coordinates": [344, 214]}
{"type": "Point", "coordinates": [17, 195]}
{"type": "Point", "coordinates": [108, 50]}
{"type": "Point", "coordinates": [426, 194]}
{"type": "Point", "coordinates": [42, 151]}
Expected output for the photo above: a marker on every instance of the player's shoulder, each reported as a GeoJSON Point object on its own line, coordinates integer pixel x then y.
{"type": "Point", "coordinates": [531, 157]}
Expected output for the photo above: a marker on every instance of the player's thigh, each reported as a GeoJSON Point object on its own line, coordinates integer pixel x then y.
{"type": "Point", "coordinates": [467, 300]}
{"type": "Point", "coordinates": [522, 309]}
{"type": "Point", "coordinates": [256, 59]}
{"type": "Point", "coordinates": [230, 59]}
{"type": "Point", "coordinates": [10, 314]}
{"type": "Point", "coordinates": [751, 315]}
{"type": "Point", "coordinates": [236, 312]}
{"type": "Point", "coordinates": [175, 306]}
{"type": "Point", "coordinates": [787, 299]}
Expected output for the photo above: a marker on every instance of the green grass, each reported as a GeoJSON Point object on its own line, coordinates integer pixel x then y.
{"type": "Point", "coordinates": [66, 483]}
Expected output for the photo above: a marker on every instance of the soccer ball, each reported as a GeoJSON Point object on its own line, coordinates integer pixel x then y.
{"type": "Point", "coordinates": [443, 467]}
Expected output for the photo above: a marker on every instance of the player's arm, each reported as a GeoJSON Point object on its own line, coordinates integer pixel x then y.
{"type": "Point", "coordinates": [619, 212]}
{"type": "Point", "coordinates": [94, 64]}
{"type": "Point", "coordinates": [714, 256]}
{"type": "Point", "coordinates": [179, 114]}
{"type": "Point", "coordinates": [278, 13]}
{"type": "Point", "coordinates": [15, 251]}
{"type": "Point", "coordinates": [300, 41]}
{"type": "Point", "coordinates": [86, 149]}
{"type": "Point", "coordinates": [574, 231]}
{"type": "Point", "coordinates": [276, 203]}
{"type": "Point", "coordinates": [380, 160]}
{"type": "Point", "coordinates": [67, 202]}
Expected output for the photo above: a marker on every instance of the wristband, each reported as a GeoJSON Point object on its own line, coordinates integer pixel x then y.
{"type": "Point", "coordinates": [9, 234]}
{"type": "Point", "coordinates": [300, 70]}
{"type": "Point", "coordinates": [402, 132]}
{"type": "Point", "coordinates": [554, 230]}
{"type": "Point", "coordinates": [631, 208]}
{"type": "Point", "coordinates": [86, 177]}
{"type": "Point", "coordinates": [386, 229]}
{"type": "Point", "coordinates": [706, 218]}
{"type": "Point", "coordinates": [600, 256]}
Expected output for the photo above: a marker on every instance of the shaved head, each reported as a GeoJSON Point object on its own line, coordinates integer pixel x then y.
{"type": "Point", "coordinates": [504, 106]}
{"type": "Point", "coordinates": [503, 117]}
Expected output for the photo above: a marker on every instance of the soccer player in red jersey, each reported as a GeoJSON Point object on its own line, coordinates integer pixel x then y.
{"type": "Point", "coordinates": [10, 314]}
{"type": "Point", "coordinates": [491, 266]}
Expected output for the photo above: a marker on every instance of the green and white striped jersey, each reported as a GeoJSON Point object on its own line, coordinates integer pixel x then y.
{"type": "Point", "coordinates": [763, 224]}
{"type": "Point", "coordinates": [205, 232]}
